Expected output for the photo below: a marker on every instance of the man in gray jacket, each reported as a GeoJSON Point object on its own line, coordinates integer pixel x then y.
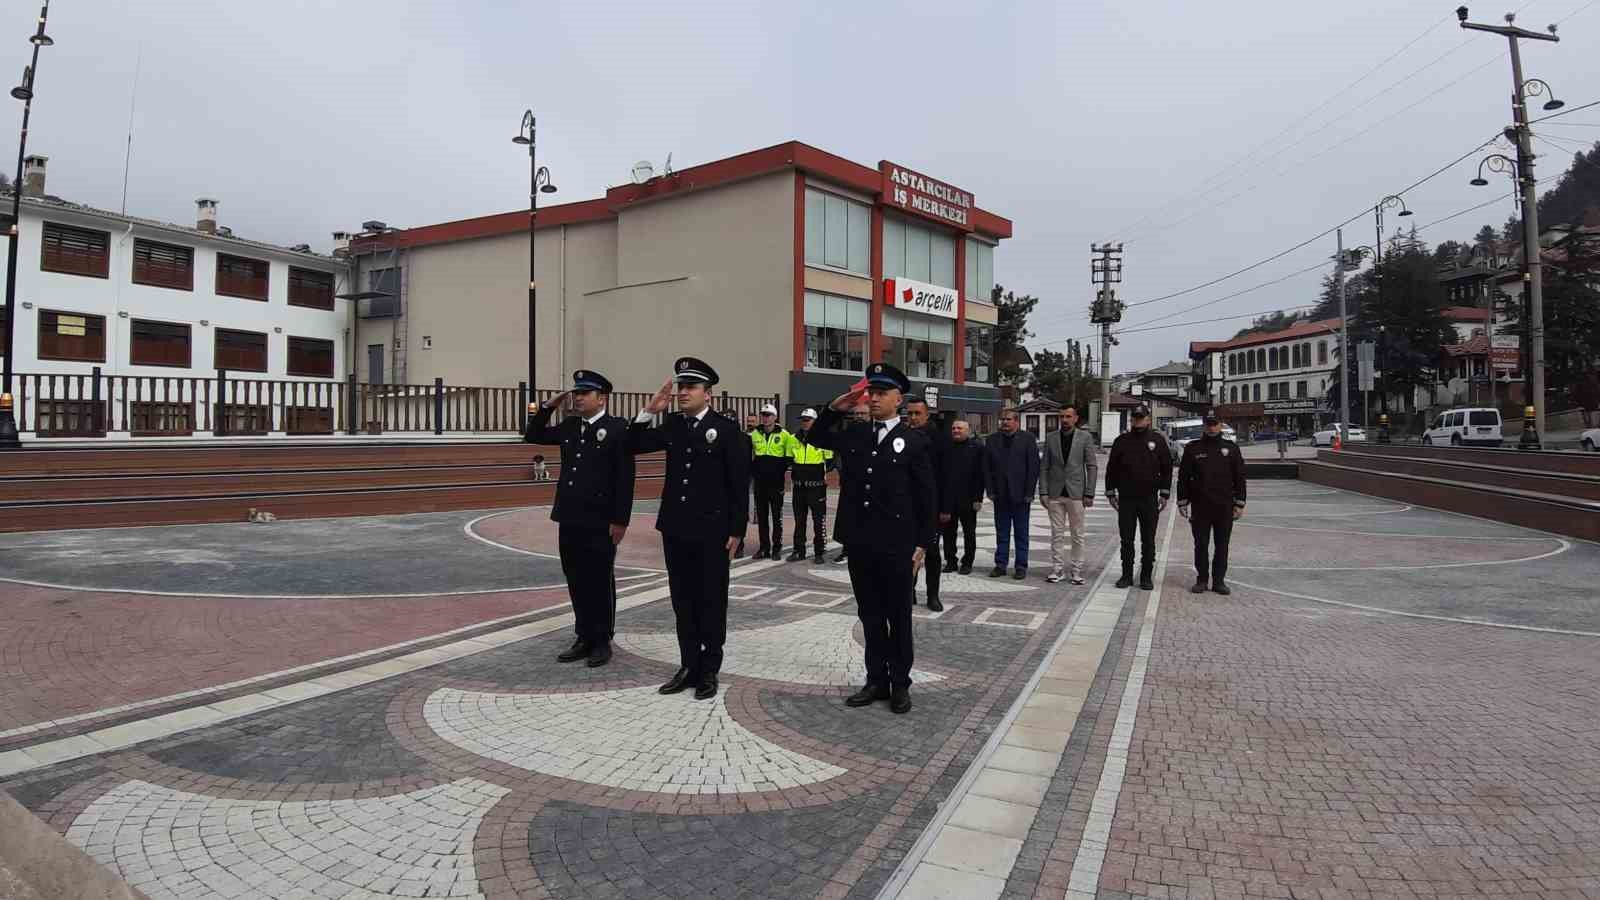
{"type": "Point", "coordinates": [1066, 486]}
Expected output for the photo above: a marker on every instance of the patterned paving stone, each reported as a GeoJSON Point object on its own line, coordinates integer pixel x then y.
{"type": "Point", "coordinates": [634, 739]}
{"type": "Point", "coordinates": [820, 649]}
{"type": "Point", "coordinates": [174, 843]}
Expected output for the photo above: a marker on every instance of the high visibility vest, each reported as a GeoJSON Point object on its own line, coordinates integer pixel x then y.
{"type": "Point", "coordinates": [775, 444]}
{"type": "Point", "coordinates": [806, 455]}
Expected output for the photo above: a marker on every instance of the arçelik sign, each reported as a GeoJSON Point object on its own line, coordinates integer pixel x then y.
{"type": "Point", "coordinates": [924, 196]}
{"type": "Point", "coordinates": [921, 297]}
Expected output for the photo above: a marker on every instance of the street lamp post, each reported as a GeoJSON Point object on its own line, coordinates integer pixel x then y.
{"type": "Point", "coordinates": [1388, 202]}
{"type": "Point", "coordinates": [538, 182]}
{"type": "Point", "coordinates": [1530, 199]}
{"type": "Point", "coordinates": [10, 439]}
{"type": "Point", "coordinates": [1499, 162]}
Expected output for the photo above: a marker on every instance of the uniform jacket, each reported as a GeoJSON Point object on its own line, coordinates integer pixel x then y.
{"type": "Point", "coordinates": [1211, 475]}
{"type": "Point", "coordinates": [1140, 465]}
{"type": "Point", "coordinates": [770, 455]}
{"type": "Point", "coordinates": [706, 493]}
{"type": "Point", "coordinates": [595, 486]}
{"type": "Point", "coordinates": [887, 494]}
{"type": "Point", "coordinates": [1071, 465]}
{"type": "Point", "coordinates": [1013, 474]}
{"type": "Point", "coordinates": [964, 476]}
{"type": "Point", "coordinates": [810, 462]}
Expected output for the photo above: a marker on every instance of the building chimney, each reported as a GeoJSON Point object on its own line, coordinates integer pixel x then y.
{"type": "Point", "coordinates": [206, 215]}
{"type": "Point", "coordinates": [33, 175]}
{"type": "Point", "coordinates": [341, 244]}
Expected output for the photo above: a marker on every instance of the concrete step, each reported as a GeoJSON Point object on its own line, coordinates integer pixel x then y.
{"type": "Point", "coordinates": [1557, 483]}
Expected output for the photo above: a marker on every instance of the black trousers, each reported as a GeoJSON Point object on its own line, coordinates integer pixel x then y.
{"type": "Point", "coordinates": [812, 500]}
{"type": "Point", "coordinates": [1140, 513]}
{"type": "Point", "coordinates": [881, 580]}
{"type": "Point", "coordinates": [769, 514]}
{"type": "Point", "coordinates": [697, 576]}
{"type": "Point", "coordinates": [930, 569]}
{"type": "Point", "coordinates": [967, 518]}
{"type": "Point", "coordinates": [1206, 525]}
{"type": "Point", "coordinates": [587, 560]}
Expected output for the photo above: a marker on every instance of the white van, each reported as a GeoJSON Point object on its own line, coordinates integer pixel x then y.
{"type": "Point", "coordinates": [1468, 425]}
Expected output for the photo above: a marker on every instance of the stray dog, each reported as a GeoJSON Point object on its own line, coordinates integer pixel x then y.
{"type": "Point", "coordinates": [541, 472]}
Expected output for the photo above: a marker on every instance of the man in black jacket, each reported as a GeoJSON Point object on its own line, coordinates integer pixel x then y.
{"type": "Point", "coordinates": [1011, 464]}
{"type": "Point", "coordinates": [919, 417]}
{"type": "Point", "coordinates": [886, 518]}
{"type": "Point", "coordinates": [961, 495]}
{"type": "Point", "coordinates": [705, 508]}
{"type": "Point", "coordinates": [1211, 494]}
{"type": "Point", "coordinates": [1138, 483]}
{"type": "Point", "coordinates": [594, 502]}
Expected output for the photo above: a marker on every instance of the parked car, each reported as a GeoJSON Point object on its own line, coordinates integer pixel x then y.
{"type": "Point", "coordinates": [1590, 440]}
{"type": "Point", "coordinates": [1324, 438]}
{"type": "Point", "coordinates": [1181, 432]}
{"type": "Point", "coordinates": [1463, 426]}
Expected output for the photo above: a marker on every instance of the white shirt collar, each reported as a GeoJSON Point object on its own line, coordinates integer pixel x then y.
{"type": "Point", "coordinates": [700, 415]}
{"type": "Point", "coordinates": [888, 425]}
{"type": "Point", "coordinates": [596, 417]}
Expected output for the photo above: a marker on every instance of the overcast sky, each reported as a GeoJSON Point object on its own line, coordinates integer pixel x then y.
{"type": "Point", "coordinates": [1076, 120]}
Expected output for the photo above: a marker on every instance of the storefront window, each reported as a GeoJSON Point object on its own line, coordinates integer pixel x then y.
{"type": "Point", "coordinates": [838, 232]}
{"type": "Point", "coordinates": [836, 332]}
{"type": "Point", "coordinates": [980, 271]}
{"type": "Point", "coordinates": [919, 345]}
{"type": "Point", "coordinates": [919, 253]}
{"type": "Point", "coordinates": [978, 355]}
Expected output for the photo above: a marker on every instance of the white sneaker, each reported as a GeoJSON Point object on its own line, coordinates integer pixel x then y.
{"type": "Point", "coordinates": [1076, 578]}
{"type": "Point", "coordinates": [1055, 576]}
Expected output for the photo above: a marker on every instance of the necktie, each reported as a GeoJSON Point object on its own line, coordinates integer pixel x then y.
{"type": "Point", "coordinates": [877, 433]}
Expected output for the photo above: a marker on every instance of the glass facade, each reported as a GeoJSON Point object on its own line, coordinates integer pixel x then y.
{"type": "Point", "coordinates": [919, 345]}
{"type": "Point", "coordinates": [980, 271]}
{"type": "Point", "coordinates": [978, 355]}
{"type": "Point", "coordinates": [836, 332]}
{"type": "Point", "coordinates": [919, 253]}
{"type": "Point", "coordinates": [838, 233]}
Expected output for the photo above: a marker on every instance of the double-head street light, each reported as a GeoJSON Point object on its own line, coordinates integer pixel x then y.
{"type": "Point", "coordinates": [1389, 202]}
{"type": "Point", "coordinates": [9, 436]}
{"type": "Point", "coordinates": [538, 183]}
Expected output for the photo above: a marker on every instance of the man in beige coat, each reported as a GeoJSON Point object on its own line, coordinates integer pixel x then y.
{"type": "Point", "coordinates": [1066, 485]}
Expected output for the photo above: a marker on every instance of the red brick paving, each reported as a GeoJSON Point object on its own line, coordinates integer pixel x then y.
{"type": "Point", "coordinates": [65, 653]}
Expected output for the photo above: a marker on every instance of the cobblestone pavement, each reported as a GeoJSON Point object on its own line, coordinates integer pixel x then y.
{"type": "Point", "coordinates": [1393, 702]}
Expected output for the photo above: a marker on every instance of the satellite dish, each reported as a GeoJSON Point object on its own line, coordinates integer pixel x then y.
{"type": "Point", "coordinates": [643, 171]}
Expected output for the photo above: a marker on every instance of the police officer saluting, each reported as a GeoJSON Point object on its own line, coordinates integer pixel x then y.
{"type": "Point", "coordinates": [886, 518]}
{"type": "Point", "coordinates": [594, 501]}
{"type": "Point", "coordinates": [1211, 495]}
{"type": "Point", "coordinates": [705, 508]}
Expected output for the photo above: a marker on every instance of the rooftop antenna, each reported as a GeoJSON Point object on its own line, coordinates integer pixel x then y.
{"type": "Point", "coordinates": [668, 166]}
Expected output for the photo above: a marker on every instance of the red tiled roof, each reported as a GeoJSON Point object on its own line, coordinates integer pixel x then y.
{"type": "Point", "coordinates": [1465, 313]}
{"type": "Point", "coordinates": [1477, 346]}
{"type": "Point", "coordinates": [1297, 330]}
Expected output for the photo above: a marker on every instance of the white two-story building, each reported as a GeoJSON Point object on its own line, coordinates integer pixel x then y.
{"type": "Point", "coordinates": [131, 326]}
{"type": "Point", "coordinates": [1272, 379]}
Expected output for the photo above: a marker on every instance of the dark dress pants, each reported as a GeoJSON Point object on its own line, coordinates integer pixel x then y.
{"type": "Point", "coordinates": [967, 518]}
{"type": "Point", "coordinates": [812, 500]}
{"type": "Point", "coordinates": [881, 580]}
{"type": "Point", "coordinates": [1208, 525]}
{"type": "Point", "coordinates": [587, 560]}
{"type": "Point", "coordinates": [697, 576]}
{"type": "Point", "coordinates": [1140, 513]}
{"type": "Point", "coordinates": [769, 514]}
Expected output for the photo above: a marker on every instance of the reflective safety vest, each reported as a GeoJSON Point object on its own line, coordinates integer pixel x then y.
{"type": "Point", "coordinates": [805, 454]}
{"type": "Point", "coordinates": [775, 444]}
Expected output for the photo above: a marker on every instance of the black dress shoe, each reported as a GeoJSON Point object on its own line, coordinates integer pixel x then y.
{"type": "Point", "coordinates": [1145, 584]}
{"type": "Point", "coordinates": [1199, 587]}
{"type": "Point", "coordinates": [579, 649]}
{"type": "Point", "coordinates": [738, 552]}
{"type": "Point", "coordinates": [1221, 588]}
{"type": "Point", "coordinates": [966, 569]}
{"type": "Point", "coordinates": [997, 572]}
{"type": "Point", "coordinates": [867, 695]}
{"type": "Point", "coordinates": [707, 687]}
{"type": "Point", "coordinates": [949, 566]}
{"type": "Point", "coordinates": [934, 605]}
{"type": "Point", "coordinates": [900, 700]}
{"type": "Point", "coordinates": [599, 656]}
{"type": "Point", "coordinates": [760, 554]}
{"type": "Point", "coordinates": [843, 555]}
{"type": "Point", "coordinates": [1125, 581]}
{"type": "Point", "coordinates": [679, 682]}
{"type": "Point", "coordinates": [797, 555]}
{"type": "Point", "coordinates": [1020, 574]}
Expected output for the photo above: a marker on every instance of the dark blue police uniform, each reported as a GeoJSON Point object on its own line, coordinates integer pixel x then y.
{"type": "Point", "coordinates": [705, 500]}
{"type": "Point", "coordinates": [593, 492]}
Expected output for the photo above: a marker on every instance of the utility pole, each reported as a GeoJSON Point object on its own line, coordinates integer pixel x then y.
{"type": "Point", "coordinates": [1530, 200]}
{"type": "Point", "coordinates": [1105, 270]}
{"type": "Point", "coordinates": [1344, 344]}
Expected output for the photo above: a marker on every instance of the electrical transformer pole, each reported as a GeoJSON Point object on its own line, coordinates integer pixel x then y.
{"type": "Point", "coordinates": [1105, 270]}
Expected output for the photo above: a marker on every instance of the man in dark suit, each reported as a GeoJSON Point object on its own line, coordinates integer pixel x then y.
{"type": "Point", "coordinates": [919, 417]}
{"type": "Point", "coordinates": [594, 501]}
{"type": "Point", "coordinates": [705, 508]}
{"type": "Point", "coordinates": [1011, 462]}
{"type": "Point", "coordinates": [886, 517]}
{"type": "Point", "coordinates": [961, 495]}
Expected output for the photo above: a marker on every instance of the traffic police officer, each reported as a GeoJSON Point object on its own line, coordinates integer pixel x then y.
{"type": "Point", "coordinates": [810, 464]}
{"type": "Point", "coordinates": [1211, 495]}
{"type": "Point", "coordinates": [886, 518]}
{"type": "Point", "coordinates": [771, 448]}
{"type": "Point", "coordinates": [705, 508]}
{"type": "Point", "coordinates": [594, 502]}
